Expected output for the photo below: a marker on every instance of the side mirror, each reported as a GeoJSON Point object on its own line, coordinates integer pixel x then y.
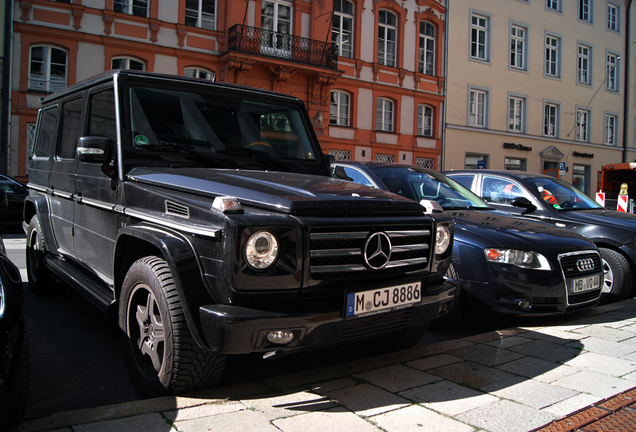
{"type": "Point", "coordinates": [525, 203]}
{"type": "Point", "coordinates": [94, 149]}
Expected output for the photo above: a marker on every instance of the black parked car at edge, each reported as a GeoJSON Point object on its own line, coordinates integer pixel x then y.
{"type": "Point", "coordinates": [545, 198]}
{"type": "Point", "coordinates": [14, 356]}
{"type": "Point", "coordinates": [509, 264]}
{"type": "Point", "coordinates": [11, 214]}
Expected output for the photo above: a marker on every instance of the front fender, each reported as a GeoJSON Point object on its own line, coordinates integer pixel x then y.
{"type": "Point", "coordinates": [137, 241]}
{"type": "Point", "coordinates": [38, 204]}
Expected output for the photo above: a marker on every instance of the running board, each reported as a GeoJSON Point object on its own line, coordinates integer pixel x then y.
{"type": "Point", "coordinates": [97, 293]}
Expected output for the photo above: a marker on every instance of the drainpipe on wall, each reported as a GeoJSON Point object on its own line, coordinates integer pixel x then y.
{"type": "Point", "coordinates": [626, 99]}
{"type": "Point", "coordinates": [445, 103]}
{"type": "Point", "coordinates": [6, 87]}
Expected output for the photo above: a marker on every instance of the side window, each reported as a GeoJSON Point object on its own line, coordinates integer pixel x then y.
{"type": "Point", "coordinates": [47, 132]}
{"type": "Point", "coordinates": [71, 116]}
{"type": "Point", "coordinates": [500, 191]}
{"type": "Point", "coordinates": [101, 120]}
{"type": "Point", "coordinates": [464, 180]}
{"type": "Point", "coordinates": [357, 176]}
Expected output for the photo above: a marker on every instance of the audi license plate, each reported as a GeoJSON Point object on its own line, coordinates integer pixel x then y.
{"type": "Point", "coordinates": [585, 284]}
{"type": "Point", "coordinates": [383, 299]}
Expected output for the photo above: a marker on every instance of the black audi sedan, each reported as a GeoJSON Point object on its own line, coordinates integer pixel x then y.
{"type": "Point", "coordinates": [502, 263]}
{"type": "Point", "coordinates": [14, 363]}
{"type": "Point", "coordinates": [540, 197]}
{"type": "Point", "coordinates": [11, 211]}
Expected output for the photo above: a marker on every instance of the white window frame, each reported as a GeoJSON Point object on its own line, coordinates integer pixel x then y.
{"type": "Point", "coordinates": [384, 115]}
{"type": "Point", "coordinates": [339, 36]}
{"type": "Point", "coordinates": [551, 113]}
{"type": "Point", "coordinates": [552, 56]}
{"type": "Point", "coordinates": [129, 7]}
{"type": "Point", "coordinates": [479, 37]}
{"type": "Point", "coordinates": [128, 61]}
{"type": "Point", "coordinates": [196, 72]}
{"type": "Point", "coordinates": [553, 5]}
{"type": "Point", "coordinates": [45, 82]}
{"type": "Point", "coordinates": [478, 107]}
{"type": "Point", "coordinates": [427, 46]}
{"type": "Point", "coordinates": [274, 41]}
{"type": "Point", "coordinates": [518, 47]}
{"type": "Point", "coordinates": [611, 72]}
{"type": "Point", "coordinates": [586, 11]}
{"type": "Point", "coordinates": [516, 113]}
{"type": "Point", "coordinates": [582, 125]}
{"type": "Point", "coordinates": [342, 108]}
{"type": "Point", "coordinates": [584, 64]}
{"type": "Point", "coordinates": [425, 120]}
{"type": "Point", "coordinates": [613, 17]}
{"type": "Point", "coordinates": [610, 129]}
{"type": "Point", "coordinates": [387, 38]}
{"type": "Point", "coordinates": [202, 18]}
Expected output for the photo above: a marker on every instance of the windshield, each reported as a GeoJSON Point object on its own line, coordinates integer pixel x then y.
{"type": "Point", "coordinates": [561, 195]}
{"type": "Point", "coordinates": [420, 184]}
{"type": "Point", "coordinates": [184, 127]}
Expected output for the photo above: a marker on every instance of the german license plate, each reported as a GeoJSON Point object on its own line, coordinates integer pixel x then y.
{"type": "Point", "coordinates": [383, 299]}
{"type": "Point", "coordinates": [585, 283]}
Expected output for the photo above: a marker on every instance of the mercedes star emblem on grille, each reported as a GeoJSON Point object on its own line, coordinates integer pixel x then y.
{"type": "Point", "coordinates": [585, 264]}
{"type": "Point", "coordinates": [377, 250]}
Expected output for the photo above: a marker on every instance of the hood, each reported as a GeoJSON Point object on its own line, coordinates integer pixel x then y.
{"type": "Point", "coordinates": [485, 228]}
{"type": "Point", "coordinates": [279, 191]}
{"type": "Point", "coordinates": [601, 223]}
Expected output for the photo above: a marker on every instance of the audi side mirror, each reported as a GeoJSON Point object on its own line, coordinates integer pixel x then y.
{"type": "Point", "coordinates": [524, 203]}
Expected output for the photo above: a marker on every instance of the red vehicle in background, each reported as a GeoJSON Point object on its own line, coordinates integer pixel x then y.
{"type": "Point", "coordinates": [614, 176]}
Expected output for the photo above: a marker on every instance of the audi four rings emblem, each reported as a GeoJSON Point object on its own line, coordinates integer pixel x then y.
{"type": "Point", "coordinates": [585, 264]}
{"type": "Point", "coordinates": [377, 250]}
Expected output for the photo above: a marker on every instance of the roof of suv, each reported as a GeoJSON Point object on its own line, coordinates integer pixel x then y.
{"type": "Point", "coordinates": [110, 75]}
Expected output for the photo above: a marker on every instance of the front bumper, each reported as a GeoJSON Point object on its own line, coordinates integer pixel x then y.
{"type": "Point", "coordinates": [237, 330]}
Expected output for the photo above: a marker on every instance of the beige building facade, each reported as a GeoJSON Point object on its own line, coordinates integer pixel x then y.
{"type": "Point", "coordinates": [539, 85]}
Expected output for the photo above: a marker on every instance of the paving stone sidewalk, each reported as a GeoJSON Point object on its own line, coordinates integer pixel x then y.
{"type": "Point", "coordinates": [568, 376]}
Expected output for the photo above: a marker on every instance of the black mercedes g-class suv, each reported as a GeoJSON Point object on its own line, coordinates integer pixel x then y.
{"type": "Point", "coordinates": [204, 216]}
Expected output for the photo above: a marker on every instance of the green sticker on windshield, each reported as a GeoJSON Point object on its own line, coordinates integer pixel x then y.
{"type": "Point", "coordinates": [141, 140]}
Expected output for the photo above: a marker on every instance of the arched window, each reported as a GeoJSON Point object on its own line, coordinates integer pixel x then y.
{"type": "Point", "coordinates": [425, 120]}
{"type": "Point", "coordinates": [384, 115]}
{"type": "Point", "coordinates": [47, 68]}
{"type": "Point", "coordinates": [127, 63]}
{"type": "Point", "coordinates": [339, 112]}
{"type": "Point", "coordinates": [195, 72]}
{"type": "Point", "coordinates": [387, 38]}
{"type": "Point", "coordinates": [426, 58]}
{"type": "Point", "coordinates": [342, 27]}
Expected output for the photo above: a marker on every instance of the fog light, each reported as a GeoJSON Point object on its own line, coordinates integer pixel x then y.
{"type": "Point", "coordinates": [280, 337]}
{"type": "Point", "coordinates": [523, 303]}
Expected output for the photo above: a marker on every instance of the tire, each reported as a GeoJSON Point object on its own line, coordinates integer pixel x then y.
{"type": "Point", "coordinates": [453, 317]}
{"type": "Point", "coordinates": [39, 276]}
{"type": "Point", "coordinates": [159, 351]}
{"type": "Point", "coordinates": [617, 276]}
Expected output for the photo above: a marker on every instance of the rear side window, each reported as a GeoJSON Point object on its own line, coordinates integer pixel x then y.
{"type": "Point", "coordinates": [47, 132]}
{"type": "Point", "coordinates": [71, 116]}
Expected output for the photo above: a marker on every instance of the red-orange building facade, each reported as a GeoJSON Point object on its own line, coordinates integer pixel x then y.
{"type": "Point", "coordinates": [381, 98]}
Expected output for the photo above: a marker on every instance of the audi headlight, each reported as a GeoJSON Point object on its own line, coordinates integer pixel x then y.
{"type": "Point", "coordinates": [261, 250]}
{"type": "Point", "coordinates": [442, 239]}
{"type": "Point", "coordinates": [523, 259]}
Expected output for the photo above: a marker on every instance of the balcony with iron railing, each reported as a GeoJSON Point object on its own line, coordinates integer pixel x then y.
{"type": "Point", "coordinates": [253, 40]}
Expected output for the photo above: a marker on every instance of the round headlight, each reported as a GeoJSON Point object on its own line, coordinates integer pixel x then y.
{"type": "Point", "coordinates": [442, 239]}
{"type": "Point", "coordinates": [261, 250]}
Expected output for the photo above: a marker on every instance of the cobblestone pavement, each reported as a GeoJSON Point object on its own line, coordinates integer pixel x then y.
{"type": "Point", "coordinates": [576, 375]}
